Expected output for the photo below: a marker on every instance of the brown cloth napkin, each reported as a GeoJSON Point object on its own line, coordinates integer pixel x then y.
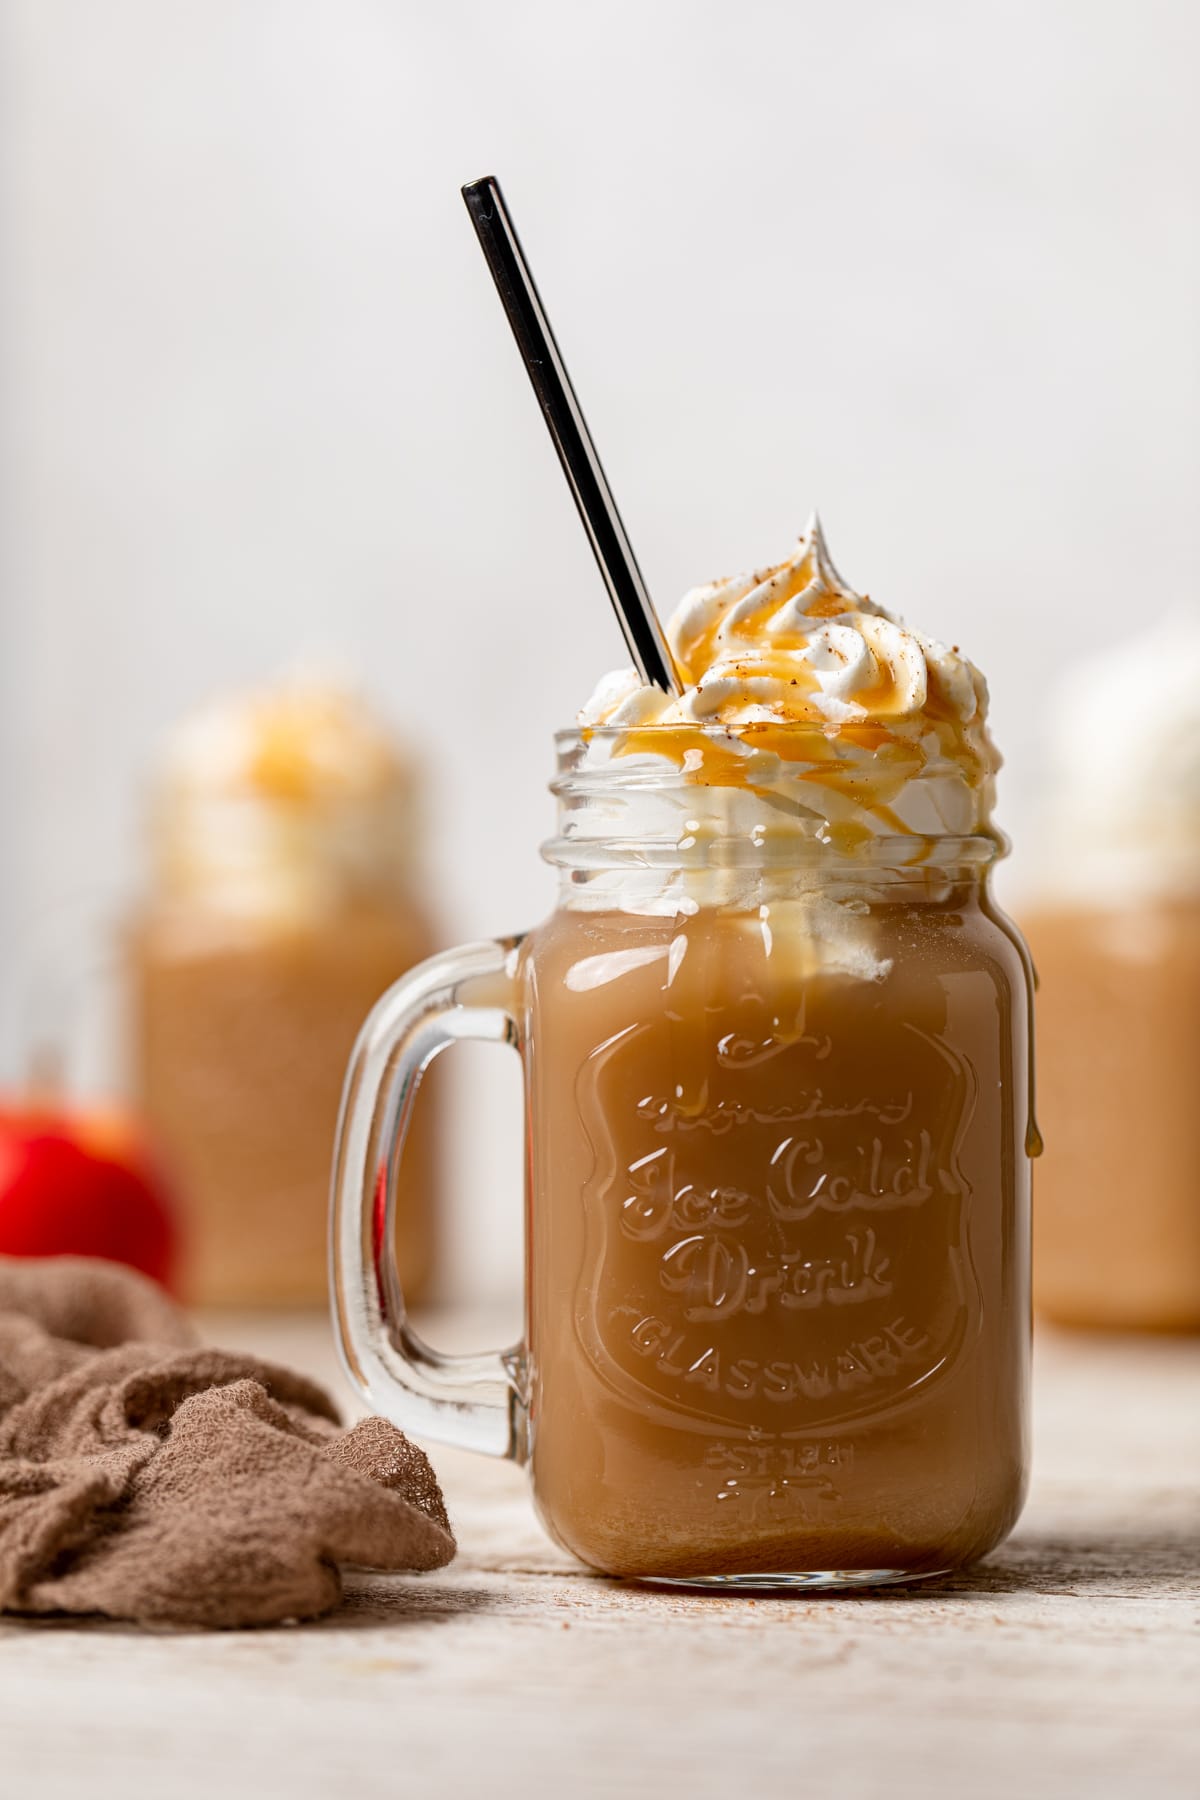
{"type": "Point", "coordinates": [145, 1477]}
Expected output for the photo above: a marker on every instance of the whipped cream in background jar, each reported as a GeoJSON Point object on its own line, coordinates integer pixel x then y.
{"type": "Point", "coordinates": [776, 1043]}
{"type": "Point", "coordinates": [284, 897]}
{"type": "Point", "coordinates": [1114, 924]}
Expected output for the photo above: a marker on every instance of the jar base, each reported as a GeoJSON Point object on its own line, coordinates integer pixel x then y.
{"type": "Point", "coordinates": [828, 1581]}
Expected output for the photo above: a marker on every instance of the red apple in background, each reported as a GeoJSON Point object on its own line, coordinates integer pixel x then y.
{"type": "Point", "coordinates": [81, 1182]}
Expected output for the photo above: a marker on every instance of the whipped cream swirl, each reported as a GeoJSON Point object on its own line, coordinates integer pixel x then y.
{"type": "Point", "coordinates": [1121, 802]}
{"type": "Point", "coordinates": [897, 721]}
{"type": "Point", "coordinates": [285, 802]}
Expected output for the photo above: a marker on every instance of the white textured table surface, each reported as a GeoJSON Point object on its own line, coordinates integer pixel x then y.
{"type": "Point", "coordinates": [1067, 1664]}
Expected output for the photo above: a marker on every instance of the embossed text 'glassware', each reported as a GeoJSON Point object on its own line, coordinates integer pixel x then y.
{"type": "Point", "coordinates": [779, 1121]}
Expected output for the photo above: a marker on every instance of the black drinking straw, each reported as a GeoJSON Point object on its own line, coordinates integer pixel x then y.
{"type": "Point", "coordinates": [572, 439]}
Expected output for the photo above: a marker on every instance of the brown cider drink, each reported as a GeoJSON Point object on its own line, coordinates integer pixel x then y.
{"type": "Point", "coordinates": [778, 1222]}
{"type": "Point", "coordinates": [284, 898]}
{"type": "Point", "coordinates": [776, 1040]}
{"type": "Point", "coordinates": [1117, 1236]}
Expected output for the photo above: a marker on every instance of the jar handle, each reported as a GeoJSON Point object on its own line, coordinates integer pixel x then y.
{"type": "Point", "coordinates": [474, 1402]}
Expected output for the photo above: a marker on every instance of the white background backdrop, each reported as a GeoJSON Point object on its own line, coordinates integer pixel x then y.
{"type": "Point", "coordinates": [932, 266]}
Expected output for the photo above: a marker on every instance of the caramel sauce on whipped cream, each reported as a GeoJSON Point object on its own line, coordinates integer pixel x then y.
{"type": "Point", "coordinates": [790, 666]}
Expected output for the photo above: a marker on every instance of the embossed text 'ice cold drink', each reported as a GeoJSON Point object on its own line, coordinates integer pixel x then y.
{"type": "Point", "coordinates": [776, 1040]}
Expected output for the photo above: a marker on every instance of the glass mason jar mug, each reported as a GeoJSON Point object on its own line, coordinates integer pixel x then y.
{"type": "Point", "coordinates": [270, 923]}
{"type": "Point", "coordinates": [777, 1079]}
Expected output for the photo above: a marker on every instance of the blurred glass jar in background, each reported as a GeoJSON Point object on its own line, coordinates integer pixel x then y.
{"type": "Point", "coordinates": [1115, 936]}
{"type": "Point", "coordinates": [284, 897]}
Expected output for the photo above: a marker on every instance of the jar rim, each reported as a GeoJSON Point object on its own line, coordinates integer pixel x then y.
{"type": "Point", "coordinates": [582, 733]}
{"type": "Point", "coordinates": [816, 785]}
